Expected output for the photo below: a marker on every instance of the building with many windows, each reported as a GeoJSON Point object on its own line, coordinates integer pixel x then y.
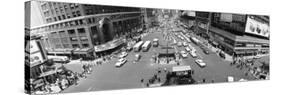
{"type": "Point", "coordinates": [83, 29]}
{"type": "Point", "coordinates": [235, 34]}
{"type": "Point", "coordinates": [240, 34]}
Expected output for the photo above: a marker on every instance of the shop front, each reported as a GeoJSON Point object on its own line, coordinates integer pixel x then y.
{"type": "Point", "coordinates": [84, 53]}
{"type": "Point", "coordinates": [246, 52]}
{"type": "Point", "coordinates": [108, 48]}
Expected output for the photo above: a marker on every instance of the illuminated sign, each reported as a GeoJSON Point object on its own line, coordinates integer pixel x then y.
{"type": "Point", "coordinates": [256, 27]}
{"type": "Point", "coordinates": [36, 56]}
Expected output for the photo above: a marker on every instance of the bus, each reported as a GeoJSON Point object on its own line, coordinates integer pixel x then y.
{"type": "Point", "coordinates": [155, 42]}
{"type": "Point", "coordinates": [59, 59]}
{"type": "Point", "coordinates": [137, 46]}
{"type": "Point", "coordinates": [146, 46]}
{"type": "Point", "coordinates": [194, 40]}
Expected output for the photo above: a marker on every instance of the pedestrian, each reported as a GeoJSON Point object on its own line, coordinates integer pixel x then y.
{"type": "Point", "coordinates": [204, 80]}
{"type": "Point", "coordinates": [141, 80]}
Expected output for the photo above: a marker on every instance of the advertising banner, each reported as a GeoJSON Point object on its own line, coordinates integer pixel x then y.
{"type": "Point", "coordinates": [36, 56]}
{"type": "Point", "coordinates": [227, 17]}
{"type": "Point", "coordinates": [33, 46]}
{"type": "Point", "coordinates": [191, 13]}
{"type": "Point", "coordinates": [256, 27]}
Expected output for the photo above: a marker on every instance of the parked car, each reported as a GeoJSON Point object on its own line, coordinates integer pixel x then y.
{"type": "Point", "coordinates": [121, 62]}
{"type": "Point", "coordinates": [205, 50]}
{"type": "Point", "coordinates": [193, 54]}
{"type": "Point", "coordinates": [222, 55]}
{"type": "Point", "coordinates": [138, 57]}
{"type": "Point", "coordinates": [187, 49]}
{"type": "Point", "coordinates": [123, 54]}
{"type": "Point", "coordinates": [184, 54]}
{"type": "Point", "coordinates": [200, 63]}
{"type": "Point", "coordinates": [185, 44]}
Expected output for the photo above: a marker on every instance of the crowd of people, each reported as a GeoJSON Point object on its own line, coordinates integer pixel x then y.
{"type": "Point", "coordinates": [250, 64]}
{"type": "Point", "coordinates": [62, 81]}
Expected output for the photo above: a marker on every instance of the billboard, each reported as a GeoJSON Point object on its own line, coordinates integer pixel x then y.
{"type": "Point", "coordinates": [191, 13]}
{"type": "Point", "coordinates": [226, 17]}
{"type": "Point", "coordinates": [36, 56]}
{"type": "Point", "coordinates": [256, 27]}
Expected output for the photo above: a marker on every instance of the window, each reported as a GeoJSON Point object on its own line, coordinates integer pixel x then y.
{"type": "Point", "coordinates": [61, 9]}
{"type": "Point", "coordinates": [44, 6]}
{"type": "Point", "coordinates": [57, 10]}
{"type": "Point", "coordinates": [89, 20]}
{"type": "Point", "coordinates": [66, 46]}
{"type": "Point", "coordinates": [78, 13]}
{"type": "Point", "coordinates": [83, 38]}
{"type": "Point", "coordinates": [55, 19]}
{"type": "Point", "coordinates": [71, 32]}
{"type": "Point", "coordinates": [240, 44]}
{"type": "Point", "coordinates": [81, 30]}
{"type": "Point", "coordinates": [68, 16]}
{"type": "Point", "coordinates": [75, 46]}
{"type": "Point", "coordinates": [63, 17]}
{"type": "Point", "coordinates": [85, 45]}
{"type": "Point", "coordinates": [50, 4]}
{"type": "Point", "coordinates": [80, 22]}
{"type": "Point", "coordinates": [76, 22]}
{"type": "Point", "coordinates": [93, 19]}
{"type": "Point", "coordinates": [73, 39]}
{"type": "Point", "coordinates": [46, 13]}
{"type": "Point", "coordinates": [71, 6]}
{"type": "Point", "coordinates": [74, 14]}
{"type": "Point", "coordinates": [65, 7]}
{"type": "Point", "coordinates": [59, 17]}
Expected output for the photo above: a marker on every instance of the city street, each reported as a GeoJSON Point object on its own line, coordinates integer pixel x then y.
{"type": "Point", "coordinates": [108, 77]}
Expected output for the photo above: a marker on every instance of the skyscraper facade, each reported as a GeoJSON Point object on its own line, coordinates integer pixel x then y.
{"type": "Point", "coordinates": [72, 28]}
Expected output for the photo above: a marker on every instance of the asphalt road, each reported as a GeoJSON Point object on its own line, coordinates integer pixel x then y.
{"type": "Point", "coordinates": [108, 77]}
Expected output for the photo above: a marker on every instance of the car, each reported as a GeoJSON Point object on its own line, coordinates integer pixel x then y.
{"type": "Point", "coordinates": [193, 54]}
{"type": "Point", "coordinates": [184, 54]}
{"type": "Point", "coordinates": [138, 57]}
{"type": "Point", "coordinates": [123, 54]}
{"type": "Point", "coordinates": [187, 49]}
{"type": "Point", "coordinates": [205, 50]}
{"type": "Point", "coordinates": [200, 63]}
{"type": "Point", "coordinates": [129, 48]}
{"type": "Point", "coordinates": [221, 54]}
{"type": "Point", "coordinates": [121, 62]}
{"type": "Point", "coordinates": [179, 44]}
{"type": "Point", "coordinates": [185, 44]}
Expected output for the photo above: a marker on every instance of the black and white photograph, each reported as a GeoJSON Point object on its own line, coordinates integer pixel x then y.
{"type": "Point", "coordinates": [78, 47]}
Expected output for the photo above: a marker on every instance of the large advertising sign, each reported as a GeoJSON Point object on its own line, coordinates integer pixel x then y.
{"type": "Point", "coordinates": [191, 13]}
{"type": "Point", "coordinates": [36, 56]}
{"type": "Point", "coordinates": [256, 27]}
{"type": "Point", "coordinates": [227, 17]}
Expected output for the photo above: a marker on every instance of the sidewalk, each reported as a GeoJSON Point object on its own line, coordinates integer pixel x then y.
{"type": "Point", "coordinates": [215, 50]}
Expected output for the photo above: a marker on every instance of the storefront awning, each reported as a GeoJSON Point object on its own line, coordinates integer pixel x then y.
{"type": "Point", "coordinates": [109, 45]}
{"type": "Point", "coordinates": [83, 50]}
{"type": "Point", "coordinates": [60, 51]}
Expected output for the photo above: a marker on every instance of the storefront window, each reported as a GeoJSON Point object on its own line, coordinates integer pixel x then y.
{"type": "Point", "coordinates": [240, 44]}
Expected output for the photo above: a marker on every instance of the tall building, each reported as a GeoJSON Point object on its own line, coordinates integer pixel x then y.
{"type": "Point", "coordinates": [235, 34]}
{"type": "Point", "coordinates": [240, 34]}
{"type": "Point", "coordinates": [84, 29]}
